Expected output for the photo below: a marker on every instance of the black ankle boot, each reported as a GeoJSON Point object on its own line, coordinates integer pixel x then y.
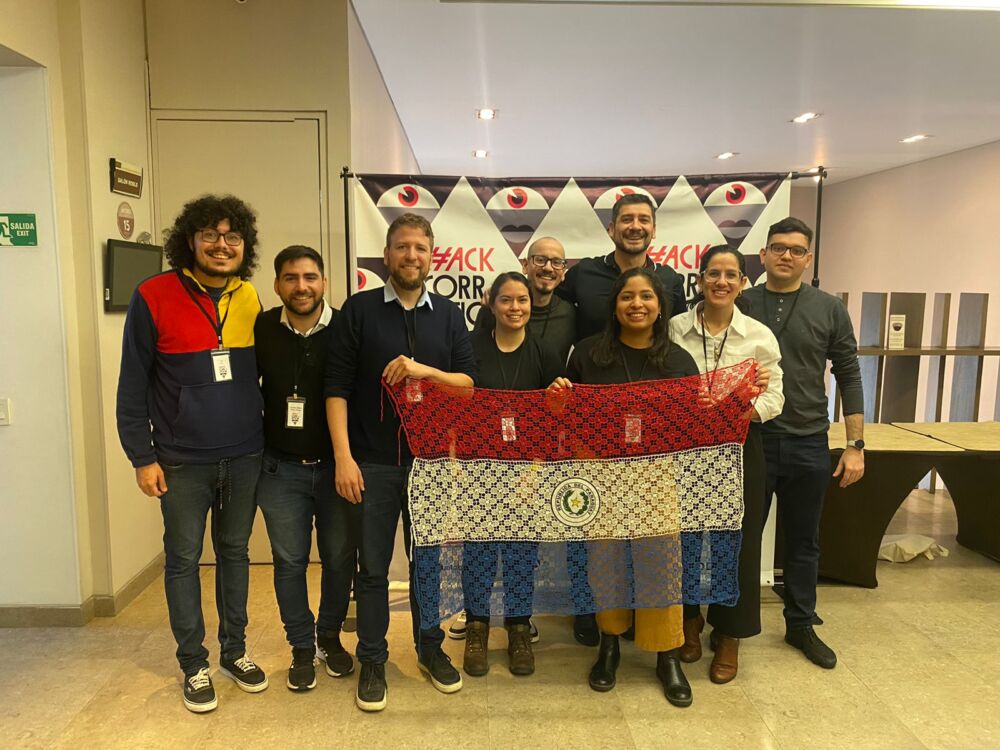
{"type": "Point", "coordinates": [602, 674]}
{"type": "Point", "coordinates": [675, 685]}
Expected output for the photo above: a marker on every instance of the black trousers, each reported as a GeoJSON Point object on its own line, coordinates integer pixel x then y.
{"type": "Point", "coordinates": [798, 471]}
{"type": "Point", "coordinates": [743, 619]}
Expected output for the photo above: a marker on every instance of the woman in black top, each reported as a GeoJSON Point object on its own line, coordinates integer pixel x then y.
{"type": "Point", "coordinates": [635, 346]}
{"type": "Point", "coordinates": [509, 359]}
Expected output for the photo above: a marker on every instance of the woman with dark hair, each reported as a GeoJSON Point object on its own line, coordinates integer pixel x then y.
{"type": "Point", "coordinates": [509, 359]}
{"type": "Point", "coordinates": [717, 334]}
{"type": "Point", "coordinates": [634, 346]}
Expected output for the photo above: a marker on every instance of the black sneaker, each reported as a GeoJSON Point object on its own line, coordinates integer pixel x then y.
{"type": "Point", "coordinates": [302, 672]}
{"type": "Point", "coordinates": [456, 631]}
{"type": "Point", "coordinates": [438, 667]}
{"type": "Point", "coordinates": [338, 662]}
{"type": "Point", "coordinates": [248, 676]}
{"type": "Point", "coordinates": [372, 690]}
{"type": "Point", "coordinates": [199, 693]}
{"type": "Point", "coordinates": [806, 641]}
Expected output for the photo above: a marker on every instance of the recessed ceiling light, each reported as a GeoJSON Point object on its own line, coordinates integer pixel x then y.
{"type": "Point", "coordinates": [480, 153]}
{"type": "Point", "coordinates": [727, 155]}
{"type": "Point", "coordinates": [486, 114]}
{"type": "Point", "coordinates": [915, 138]}
{"type": "Point", "coordinates": [805, 117]}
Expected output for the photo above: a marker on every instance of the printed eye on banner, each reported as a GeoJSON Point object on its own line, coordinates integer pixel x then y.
{"type": "Point", "coordinates": [407, 198]}
{"type": "Point", "coordinates": [605, 202]}
{"type": "Point", "coordinates": [735, 207]}
{"type": "Point", "coordinates": [517, 212]}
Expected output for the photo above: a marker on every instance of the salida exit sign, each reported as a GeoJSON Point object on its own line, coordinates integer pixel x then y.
{"type": "Point", "coordinates": [18, 230]}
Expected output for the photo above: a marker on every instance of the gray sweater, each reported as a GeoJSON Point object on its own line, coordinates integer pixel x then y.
{"type": "Point", "coordinates": [811, 327]}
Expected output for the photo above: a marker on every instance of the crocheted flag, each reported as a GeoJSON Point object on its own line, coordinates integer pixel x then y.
{"type": "Point", "coordinates": [575, 501]}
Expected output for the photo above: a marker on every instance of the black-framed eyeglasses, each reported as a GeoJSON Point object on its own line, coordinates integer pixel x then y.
{"type": "Point", "coordinates": [539, 261]}
{"type": "Point", "coordinates": [797, 251]}
{"type": "Point", "coordinates": [211, 236]}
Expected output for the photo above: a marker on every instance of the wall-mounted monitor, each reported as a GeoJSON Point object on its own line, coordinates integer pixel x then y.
{"type": "Point", "coordinates": [125, 265]}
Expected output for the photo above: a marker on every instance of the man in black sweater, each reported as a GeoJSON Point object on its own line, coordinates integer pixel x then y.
{"type": "Point", "coordinates": [401, 332]}
{"type": "Point", "coordinates": [296, 481]}
{"type": "Point", "coordinates": [811, 327]}
{"type": "Point", "coordinates": [588, 283]}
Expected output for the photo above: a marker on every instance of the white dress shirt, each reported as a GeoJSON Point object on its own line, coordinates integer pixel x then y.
{"type": "Point", "coordinates": [323, 322]}
{"type": "Point", "coordinates": [747, 339]}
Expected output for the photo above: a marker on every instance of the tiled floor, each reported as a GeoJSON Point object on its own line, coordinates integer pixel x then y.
{"type": "Point", "coordinates": [919, 668]}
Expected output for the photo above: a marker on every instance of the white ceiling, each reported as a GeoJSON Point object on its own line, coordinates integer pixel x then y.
{"type": "Point", "coordinates": [633, 89]}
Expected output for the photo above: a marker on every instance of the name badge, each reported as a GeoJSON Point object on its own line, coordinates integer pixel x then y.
{"type": "Point", "coordinates": [414, 391]}
{"type": "Point", "coordinates": [295, 413]}
{"type": "Point", "coordinates": [508, 430]}
{"type": "Point", "coordinates": [633, 428]}
{"type": "Point", "coordinates": [221, 368]}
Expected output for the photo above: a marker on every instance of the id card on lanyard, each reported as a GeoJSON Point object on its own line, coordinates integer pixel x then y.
{"type": "Point", "coordinates": [222, 369]}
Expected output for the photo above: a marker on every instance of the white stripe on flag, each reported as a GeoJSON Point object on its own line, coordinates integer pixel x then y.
{"type": "Point", "coordinates": [489, 500]}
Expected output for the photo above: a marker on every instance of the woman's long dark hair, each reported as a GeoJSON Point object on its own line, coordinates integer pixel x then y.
{"type": "Point", "coordinates": [608, 349]}
{"type": "Point", "coordinates": [497, 285]}
{"type": "Point", "coordinates": [741, 303]}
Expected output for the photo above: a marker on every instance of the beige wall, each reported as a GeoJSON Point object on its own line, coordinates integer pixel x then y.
{"type": "Point", "coordinates": [925, 227]}
{"type": "Point", "coordinates": [378, 141]}
{"type": "Point", "coordinates": [93, 53]}
{"type": "Point", "coordinates": [289, 56]}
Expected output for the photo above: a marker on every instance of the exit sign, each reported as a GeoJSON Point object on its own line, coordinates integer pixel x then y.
{"type": "Point", "coordinates": [18, 230]}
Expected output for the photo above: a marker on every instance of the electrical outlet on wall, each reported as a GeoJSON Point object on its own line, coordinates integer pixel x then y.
{"type": "Point", "coordinates": [5, 415]}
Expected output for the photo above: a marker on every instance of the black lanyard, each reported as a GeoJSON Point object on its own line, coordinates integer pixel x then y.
{"type": "Point", "coordinates": [217, 327]}
{"type": "Point", "coordinates": [303, 354]}
{"type": "Point", "coordinates": [411, 330]}
{"type": "Point", "coordinates": [795, 300]}
{"type": "Point", "coordinates": [520, 358]}
{"type": "Point", "coordinates": [628, 372]}
{"type": "Point", "coordinates": [704, 344]}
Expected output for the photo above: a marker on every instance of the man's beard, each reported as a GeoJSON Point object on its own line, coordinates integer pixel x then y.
{"type": "Point", "coordinates": [208, 271]}
{"type": "Point", "coordinates": [406, 284]}
{"type": "Point", "coordinates": [307, 313]}
{"type": "Point", "coordinates": [647, 239]}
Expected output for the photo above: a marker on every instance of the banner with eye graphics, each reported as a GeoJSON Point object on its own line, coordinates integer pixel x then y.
{"type": "Point", "coordinates": [484, 225]}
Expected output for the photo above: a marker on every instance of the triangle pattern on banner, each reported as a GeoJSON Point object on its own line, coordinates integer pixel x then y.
{"type": "Point", "coordinates": [368, 238]}
{"type": "Point", "coordinates": [517, 211]}
{"type": "Point", "coordinates": [572, 221]}
{"type": "Point", "coordinates": [777, 209]}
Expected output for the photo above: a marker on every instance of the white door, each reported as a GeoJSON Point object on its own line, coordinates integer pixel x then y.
{"type": "Point", "coordinates": [272, 161]}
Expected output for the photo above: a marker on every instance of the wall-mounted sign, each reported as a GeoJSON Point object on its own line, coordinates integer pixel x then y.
{"type": "Point", "coordinates": [126, 220]}
{"type": "Point", "coordinates": [897, 332]}
{"type": "Point", "coordinates": [126, 178]}
{"type": "Point", "coordinates": [18, 230]}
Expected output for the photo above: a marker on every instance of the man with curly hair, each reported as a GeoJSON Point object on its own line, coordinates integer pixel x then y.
{"type": "Point", "coordinates": [189, 419]}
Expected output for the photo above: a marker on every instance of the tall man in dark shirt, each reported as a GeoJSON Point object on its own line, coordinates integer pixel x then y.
{"type": "Point", "coordinates": [811, 327]}
{"type": "Point", "coordinates": [296, 481]}
{"type": "Point", "coordinates": [553, 319]}
{"type": "Point", "coordinates": [588, 283]}
{"type": "Point", "coordinates": [401, 332]}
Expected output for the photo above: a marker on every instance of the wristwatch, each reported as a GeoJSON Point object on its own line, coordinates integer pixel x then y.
{"type": "Point", "coordinates": [859, 444]}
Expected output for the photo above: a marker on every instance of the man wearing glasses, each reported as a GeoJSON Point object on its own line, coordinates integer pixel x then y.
{"type": "Point", "coordinates": [189, 419]}
{"type": "Point", "coordinates": [296, 480]}
{"type": "Point", "coordinates": [553, 319]}
{"type": "Point", "coordinates": [811, 327]}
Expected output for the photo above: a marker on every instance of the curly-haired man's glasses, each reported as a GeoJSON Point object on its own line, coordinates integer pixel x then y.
{"type": "Point", "coordinates": [211, 236]}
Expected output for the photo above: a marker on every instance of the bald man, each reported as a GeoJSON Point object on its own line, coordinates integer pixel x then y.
{"type": "Point", "coordinates": [553, 319]}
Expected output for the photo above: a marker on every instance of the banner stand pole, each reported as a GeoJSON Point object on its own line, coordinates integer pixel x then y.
{"type": "Point", "coordinates": [821, 176]}
{"type": "Point", "coordinates": [345, 176]}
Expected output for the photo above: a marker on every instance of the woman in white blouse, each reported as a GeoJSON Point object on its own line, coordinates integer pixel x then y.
{"type": "Point", "coordinates": [718, 334]}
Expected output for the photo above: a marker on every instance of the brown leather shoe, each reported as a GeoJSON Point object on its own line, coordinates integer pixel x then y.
{"type": "Point", "coordinates": [691, 650]}
{"type": "Point", "coordinates": [522, 660]}
{"type": "Point", "coordinates": [477, 639]}
{"type": "Point", "coordinates": [725, 663]}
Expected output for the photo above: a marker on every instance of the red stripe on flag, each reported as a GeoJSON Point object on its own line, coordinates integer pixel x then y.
{"type": "Point", "coordinates": [587, 421]}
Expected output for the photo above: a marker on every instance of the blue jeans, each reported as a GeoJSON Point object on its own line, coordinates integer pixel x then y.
{"type": "Point", "coordinates": [291, 495]}
{"type": "Point", "coordinates": [227, 488]}
{"type": "Point", "coordinates": [384, 499]}
{"type": "Point", "coordinates": [798, 471]}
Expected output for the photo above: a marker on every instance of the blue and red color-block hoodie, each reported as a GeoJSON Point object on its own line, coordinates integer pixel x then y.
{"type": "Point", "coordinates": [167, 379]}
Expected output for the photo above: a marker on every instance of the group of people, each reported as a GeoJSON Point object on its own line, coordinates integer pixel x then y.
{"type": "Point", "coordinates": [223, 407]}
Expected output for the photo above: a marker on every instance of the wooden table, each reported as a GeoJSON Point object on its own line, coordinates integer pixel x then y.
{"type": "Point", "coordinates": [855, 518]}
{"type": "Point", "coordinates": [972, 477]}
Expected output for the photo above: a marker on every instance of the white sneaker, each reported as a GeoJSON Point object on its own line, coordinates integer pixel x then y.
{"type": "Point", "coordinates": [456, 631]}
